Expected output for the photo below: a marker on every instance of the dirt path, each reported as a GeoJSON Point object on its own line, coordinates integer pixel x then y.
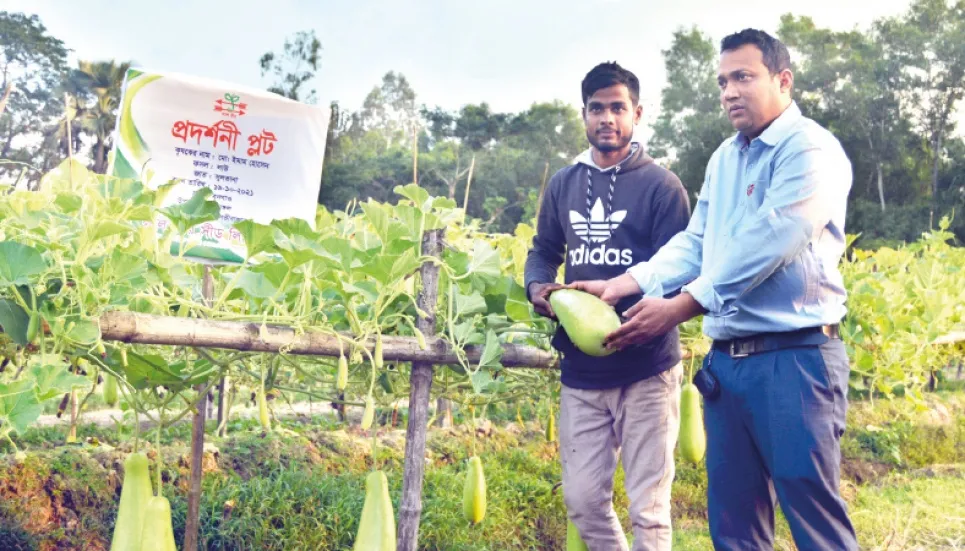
{"type": "Point", "coordinates": [108, 417]}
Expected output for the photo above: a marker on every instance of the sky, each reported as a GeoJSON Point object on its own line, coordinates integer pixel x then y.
{"type": "Point", "coordinates": [509, 53]}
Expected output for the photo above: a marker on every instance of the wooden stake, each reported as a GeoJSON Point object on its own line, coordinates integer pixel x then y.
{"type": "Point", "coordinates": [410, 508]}
{"type": "Point", "coordinates": [193, 522]}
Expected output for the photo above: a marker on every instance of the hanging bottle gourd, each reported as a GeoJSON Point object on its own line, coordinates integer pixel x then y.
{"type": "Point", "coordinates": [368, 415]}
{"type": "Point", "coordinates": [377, 526]}
{"type": "Point", "coordinates": [135, 494]}
{"type": "Point", "coordinates": [692, 438]}
{"type": "Point", "coordinates": [474, 492]}
{"type": "Point", "coordinates": [158, 533]}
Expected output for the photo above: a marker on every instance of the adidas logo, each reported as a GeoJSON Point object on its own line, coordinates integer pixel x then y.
{"type": "Point", "coordinates": [598, 229]}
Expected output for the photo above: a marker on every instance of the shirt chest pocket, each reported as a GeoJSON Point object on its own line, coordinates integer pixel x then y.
{"type": "Point", "coordinates": [748, 203]}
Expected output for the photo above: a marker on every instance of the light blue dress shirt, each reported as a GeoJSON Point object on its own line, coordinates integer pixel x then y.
{"type": "Point", "coordinates": [761, 251]}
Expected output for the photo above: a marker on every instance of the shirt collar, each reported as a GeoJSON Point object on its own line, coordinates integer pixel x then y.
{"type": "Point", "coordinates": [778, 129]}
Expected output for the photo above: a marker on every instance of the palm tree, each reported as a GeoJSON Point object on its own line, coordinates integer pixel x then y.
{"type": "Point", "coordinates": [101, 81]}
{"type": "Point", "coordinates": [74, 115]}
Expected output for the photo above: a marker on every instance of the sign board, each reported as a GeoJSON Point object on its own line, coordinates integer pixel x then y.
{"type": "Point", "coordinates": [260, 153]}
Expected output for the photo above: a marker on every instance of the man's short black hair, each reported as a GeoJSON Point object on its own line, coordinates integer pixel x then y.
{"type": "Point", "coordinates": [776, 57]}
{"type": "Point", "coordinates": [609, 74]}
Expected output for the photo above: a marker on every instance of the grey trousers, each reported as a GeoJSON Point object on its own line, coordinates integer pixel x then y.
{"type": "Point", "coordinates": [639, 423]}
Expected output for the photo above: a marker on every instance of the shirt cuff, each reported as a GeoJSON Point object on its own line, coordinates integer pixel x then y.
{"type": "Point", "coordinates": [646, 279]}
{"type": "Point", "coordinates": [702, 289]}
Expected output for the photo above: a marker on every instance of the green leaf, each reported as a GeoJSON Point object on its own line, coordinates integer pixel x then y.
{"type": "Point", "coordinates": [404, 265]}
{"type": "Point", "coordinates": [18, 405]}
{"type": "Point", "coordinates": [517, 306]}
{"type": "Point", "coordinates": [414, 193]}
{"type": "Point", "coordinates": [128, 267]}
{"type": "Point", "coordinates": [196, 210]}
{"type": "Point", "coordinates": [465, 333]}
{"type": "Point", "coordinates": [258, 237]}
{"type": "Point", "coordinates": [124, 189]}
{"type": "Point", "coordinates": [367, 241]}
{"type": "Point", "coordinates": [484, 265]}
{"type": "Point", "coordinates": [492, 352]}
{"type": "Point", "coordinates": [109, 228]}
{"type": "Point", "coordinates": [367, 289]}
{"type": "Point", "coordinates": [411, 219]}
{"type": "Point", "coordinates": [263, 281]}
{"type": "Point", "coordinates": [70, 172]}
{"type": "Point", "coordinates": [143, 213]}
{"type": "Point", "coordinates": [85, 332]}
{"type": "Point", "coordinates": [19, 263]}
{"type": "Point", "coordinates": [297, 244]}
{"type": "Point", "coordinates": [54, 380]}
{"type": "Point", "coordinates": [68, 201]}
{"type": "Point", "coordinates": [481, 380]}
{"type": "Point", "coordinates": [295, 226]}
{"type": "Point", "coordinates": [376, 214]}
{"type": "Point", "coordinates": [144, 370]}
{"type": "Point", "coordinates": [471, 304]}
{"type": "Point", "coordinates": [13, 321]}
{"type": "Point", "coordinates": [458, 261]}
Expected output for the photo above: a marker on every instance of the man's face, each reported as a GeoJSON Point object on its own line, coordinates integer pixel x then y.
{"type": "Point", "coordinates": [610, 116]}
{"type": "Point", "coordinates": [751, 96]}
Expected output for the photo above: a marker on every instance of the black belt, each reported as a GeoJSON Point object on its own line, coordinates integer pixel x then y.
{"type": "Point", "coordinates": [765, 342]}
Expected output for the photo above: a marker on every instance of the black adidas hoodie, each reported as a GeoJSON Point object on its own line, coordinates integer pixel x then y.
{"type": "Point", "coordinates": [603, 222]}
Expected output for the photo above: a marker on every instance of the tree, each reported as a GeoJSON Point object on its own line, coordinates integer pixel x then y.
{"type": "Point", "coordinates": [691, 124]}
{"type": "Point", "coordinates": [849, 83]}
{"type": "Point", "coordinates": [553, 130]}
{"type": "Point", "coordinates": [294, 67]}
{"type": "Point", "coordinates": [477, 127]}
{"type": "Point", "coordinates": [32, 65]}
{"type": "Point", "coordinates": [97, 84]}
{"type": "Point", "coordinates": [929, 43]}
{"type": "Point", "coordinates": [391, 109]}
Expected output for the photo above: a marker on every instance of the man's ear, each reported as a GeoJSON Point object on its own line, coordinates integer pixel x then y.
{"type": "Point", "coordinates": [787, 80]}
{"type": "Point", "coordinates": [637, 114]}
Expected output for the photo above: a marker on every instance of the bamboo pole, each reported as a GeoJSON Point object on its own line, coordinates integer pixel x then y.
{"type": "Point", "coordinates": [193, 522]}
{"type": "Point", "coordinates": [410, 507]}
{"type": "Point", "coordinates": [138, 328]}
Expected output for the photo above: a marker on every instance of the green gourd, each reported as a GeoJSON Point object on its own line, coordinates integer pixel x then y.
{"type": "Point", "coordinates": [110, 390]}
{"type": "Point", "coordinates": [586, 319]}
{"type": "Point", "coordinates": [135, 493]}
{"type": "Point", "coordinates": [692, 438]}
{"type": "Point", "coordinates": [158, 533]}
{"type": "Point", "coordinates": [377, 525]}
{"type": "Point", "coordinates": [474, 492]}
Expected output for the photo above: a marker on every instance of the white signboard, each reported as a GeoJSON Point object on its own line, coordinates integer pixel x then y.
{"type": "Point", "coordinates": [259, 153]}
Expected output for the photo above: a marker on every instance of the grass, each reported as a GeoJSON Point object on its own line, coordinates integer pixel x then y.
{"type": "Point", "coordinates": [302, 487]}
{"type": "Point", "coordinates": [913, 511]}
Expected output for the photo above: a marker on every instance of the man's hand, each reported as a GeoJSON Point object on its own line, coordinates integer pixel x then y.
{"type": "Point", "coordinates": [652, 317]}
{"type": "Point", "coordinates": [610, 291]}
{"type": "Point", "coordinates": [539, 295]}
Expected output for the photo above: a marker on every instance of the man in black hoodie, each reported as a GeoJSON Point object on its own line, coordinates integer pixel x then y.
{"type": "Point", "coordinates": [610, 210]}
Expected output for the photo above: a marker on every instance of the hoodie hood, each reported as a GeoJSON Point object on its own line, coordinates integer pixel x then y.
{"type": "Point", "coordinates": [637, 158]}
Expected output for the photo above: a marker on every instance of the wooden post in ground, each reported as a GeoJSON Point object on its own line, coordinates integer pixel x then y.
{"type": "Point", "coordinates": [410, 508]}
{"type": "Point", "coordinates": [443, 413]}
{"type": "Point", "coordinates": [192, 523]}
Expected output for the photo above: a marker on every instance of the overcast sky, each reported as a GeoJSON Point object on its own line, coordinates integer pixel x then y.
{"type": "Point", "coordinates": [508, 53]}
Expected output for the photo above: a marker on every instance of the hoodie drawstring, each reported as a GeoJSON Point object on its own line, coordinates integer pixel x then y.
{"type": "Point", "coordinates": [609, 197]}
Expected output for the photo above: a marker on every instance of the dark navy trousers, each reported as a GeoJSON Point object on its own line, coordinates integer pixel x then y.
{"type": "Point", "coordinates": [773, 435]}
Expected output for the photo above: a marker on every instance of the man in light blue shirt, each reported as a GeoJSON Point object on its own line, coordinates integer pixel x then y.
{"type": "Point", "coordinates": [759, 259]}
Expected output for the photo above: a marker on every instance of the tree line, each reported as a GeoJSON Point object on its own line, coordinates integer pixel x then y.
{"type": "Point", "coordinates": [890, 93]}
